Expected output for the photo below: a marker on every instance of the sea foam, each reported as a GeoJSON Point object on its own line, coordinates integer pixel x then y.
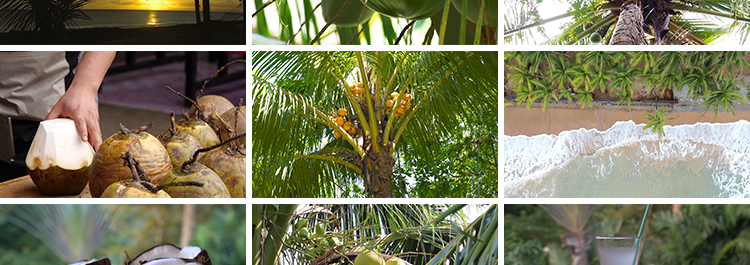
{"type": "Point", "coordinates": [717, 153]}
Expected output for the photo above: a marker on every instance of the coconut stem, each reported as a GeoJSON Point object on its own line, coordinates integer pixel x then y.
{"type": "Point", "coordinates": [172, 129]}
{"type": "Point", "coordinates": [138, 174]}
{"type": "Point", "coordinates": [197, 109]}
{"type": "Point", "coordinates": [202, 150]}
{"type": "Point", "coordinates": [217, 72]}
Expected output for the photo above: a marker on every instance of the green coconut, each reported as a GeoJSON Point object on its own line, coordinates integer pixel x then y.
{"type": "Point", "coordinates": [354, 15]}
{"type": "Point", "coordinates": [408, 9]}
{"type": "Point", "coordinates": [596, 38]}
{"type": "Point", "coordinates": [135, 187]}
{"type": "Point", "coordinates": [179, 145]}
{"type": "Point", "coordinates": [394, 261]}
{"type": "Point", "coordinates": [58, 161]}
{"type": "Point", "coordinates": [198, 129]}
{"type": "Point", "coordinates": [369, 258]}
{"type": "Point", "coordinates": [131, 189]}
{"type": "Point", "coordinates": [212, 187]}
{"type": "Point", "coordinates": [230, 167]}
{"type": "Point", "coordinates": [107, 168]}
{"type": "Point", "coordinates": [472, 7]}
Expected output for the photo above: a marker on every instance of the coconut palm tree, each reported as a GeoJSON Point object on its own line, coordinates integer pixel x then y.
{"type": "Point", "coordinates": [49, 17]}
{"type": "Point", "coordinates": [638, 22]}
{"type": "Point", "coordinates": [656, 122]}
{"type": "Point", "coordinates": [73, 232]}
{"type": "Point", "coordinates": [406, 103]}
{"type": "Point", "coordinates": [333, 234]}
{"type": "Point", "coordinates": [574, 217]}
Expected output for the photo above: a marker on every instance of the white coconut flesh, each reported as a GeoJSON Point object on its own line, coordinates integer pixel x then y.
{"type": "Point", "coordinates": [171, 261]}
{"type": "Point", "coordinates": [57, 143]}
{"type": "Point", "coordinates": [157, 252]}
{"type": "Point", "coordinates": [92, 262]}
{"type": "Point", "coordinates": [168, 254]}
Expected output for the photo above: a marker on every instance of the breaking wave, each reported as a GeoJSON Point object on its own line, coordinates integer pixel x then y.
{"type": "Point", "coordinates": [700, 160]}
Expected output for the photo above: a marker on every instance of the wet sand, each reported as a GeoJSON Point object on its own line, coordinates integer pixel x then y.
{"type": "Point", "coordinates": [521, 121]}
{"type": "Point", "coordinates": [217, 33]}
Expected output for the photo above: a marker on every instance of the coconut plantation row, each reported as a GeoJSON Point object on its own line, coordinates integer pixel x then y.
{"type": "Point", "coordinates": [709, 78]}
{"type": "Point", "coordinates": [600, 124]}
{"type": "Point", "coordinates": [377, 22]}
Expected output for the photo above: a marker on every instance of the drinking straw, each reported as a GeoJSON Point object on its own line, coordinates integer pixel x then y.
{"type": "Point", "coordinates": [640, 233]}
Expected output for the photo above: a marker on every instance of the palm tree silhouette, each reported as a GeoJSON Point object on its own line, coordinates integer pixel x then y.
{"type": "Point", "coordinates": [49, 17]}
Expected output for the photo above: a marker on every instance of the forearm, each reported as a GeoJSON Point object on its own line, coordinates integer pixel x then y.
{"type": "Point", "coordinates": [91, 70]}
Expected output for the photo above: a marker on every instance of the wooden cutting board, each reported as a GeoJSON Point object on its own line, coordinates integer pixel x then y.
{"type": "Point", "coordinates": [23, 187]}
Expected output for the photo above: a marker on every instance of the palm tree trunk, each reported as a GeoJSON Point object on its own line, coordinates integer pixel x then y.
{"type": "Point", "coordinates": [188, 224]}
{"type": "Point", "coordinates": [197, 12]}
{"type": "Point", "coordinates": [377, 168]}
{"type": "Point", "coordinates": [629, 30]}
{"type": "Point", "coordinates": [206, 11]}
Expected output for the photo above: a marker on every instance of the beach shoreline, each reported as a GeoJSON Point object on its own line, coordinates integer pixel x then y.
{"type": "Point", "coordinates": [214, 33]}
{"type": "Point", "coordinates": [521, 121]}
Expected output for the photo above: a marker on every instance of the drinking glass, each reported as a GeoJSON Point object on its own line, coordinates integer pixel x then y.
{"type": "Point", "coordinates": [616, 250]}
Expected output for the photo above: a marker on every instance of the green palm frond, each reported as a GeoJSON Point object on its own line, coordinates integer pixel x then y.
{"type": "Point", "coordinates": [449, 88]}
{"type": "Point", "coordinates": [73, 232]}
{"type": "Point", "coordinates": [723, 97]}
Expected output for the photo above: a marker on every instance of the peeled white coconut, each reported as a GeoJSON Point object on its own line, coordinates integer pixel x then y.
{"type": "Point", "coordinates": [58, 161]}
{"type": "Point", "coordinates": [104, 261]}
{"type": "Point", "coordinates": [168, 254]}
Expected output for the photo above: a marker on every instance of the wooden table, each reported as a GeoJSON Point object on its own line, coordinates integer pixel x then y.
{"type": "Point", "coordinates": [24, 187]}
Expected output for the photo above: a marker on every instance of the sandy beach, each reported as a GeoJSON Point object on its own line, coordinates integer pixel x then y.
{"type": "Point", "coordinates": [521, 121]}
{"type": "Point", "coordinates": [216, 33]}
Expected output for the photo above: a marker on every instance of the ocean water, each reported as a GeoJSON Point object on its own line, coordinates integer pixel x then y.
{"type": "Point", "coordinates": [139, 18]}
{"type": "Point", "coordinates": [700, 160]}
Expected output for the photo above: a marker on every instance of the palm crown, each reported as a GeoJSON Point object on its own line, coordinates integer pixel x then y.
{"type": "Point", "coordinates": [635, 21]}
{"type": "Point", "coordinates": [409, 106]}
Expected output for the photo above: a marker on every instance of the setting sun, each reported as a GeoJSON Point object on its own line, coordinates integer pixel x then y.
{"type": "Point", "coordinates": [166, 5]}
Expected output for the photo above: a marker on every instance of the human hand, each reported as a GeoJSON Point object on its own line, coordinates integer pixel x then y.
{"type": "Point", "coordinates": [80, 105]}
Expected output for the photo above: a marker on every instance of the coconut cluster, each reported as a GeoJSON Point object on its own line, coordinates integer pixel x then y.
{"type": "Point", "coordinates": [192, 159]}
{"type": "Point", "coordinates": [405, 104]}
{"type": "Point", "coordinates": [343, 121]}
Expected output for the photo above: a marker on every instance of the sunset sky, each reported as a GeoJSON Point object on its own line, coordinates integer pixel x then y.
{"type": "Point", "coordinates": [182, 5]}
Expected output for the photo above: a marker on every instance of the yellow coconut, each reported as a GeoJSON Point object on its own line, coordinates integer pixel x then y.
{"type": "Point", "coordinates": [369, 258]}
{"type": "Point", "coordinates": [394, 261]}
{"type": "Point", "coordinates": [340, 121]}
{"type": "Point", "coordinates": [389, 103]}
{"type": "Point", "coordinates": [341, 112]}
{"type": "Point", "coordinates": [336, 134]}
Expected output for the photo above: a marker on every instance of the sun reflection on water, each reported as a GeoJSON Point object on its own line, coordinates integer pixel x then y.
{"type": "Point", "coordinates": [152, 20]}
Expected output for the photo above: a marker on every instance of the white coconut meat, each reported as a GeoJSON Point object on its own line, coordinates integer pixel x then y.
{"type": "Point", "coordinates": [157, 252]}
{"type": "Point", "coordinates": [57, 143]}
{"type": "Point", "coordinates": [104, 261]}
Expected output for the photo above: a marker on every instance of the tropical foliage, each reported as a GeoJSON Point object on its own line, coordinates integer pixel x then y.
{"type": "Point", "coordinates": [674, 234]}
{"type": "Point", "coordinates": [350, 22]}
{"type": "Point", "coordinates": [711, 77]}
{"type": "Point", "coordinates": [49, 17]}
{"type": "Point", "coordinates": [639, 21]}
{"type": "Point", "coordinates": [437, 138]}
{"type": "Point", "coordinates": [336, 234]}
{"type": "Point", "coordinates": [656, 122]}
{"type": "Point", "coordinates": [61, 234]}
